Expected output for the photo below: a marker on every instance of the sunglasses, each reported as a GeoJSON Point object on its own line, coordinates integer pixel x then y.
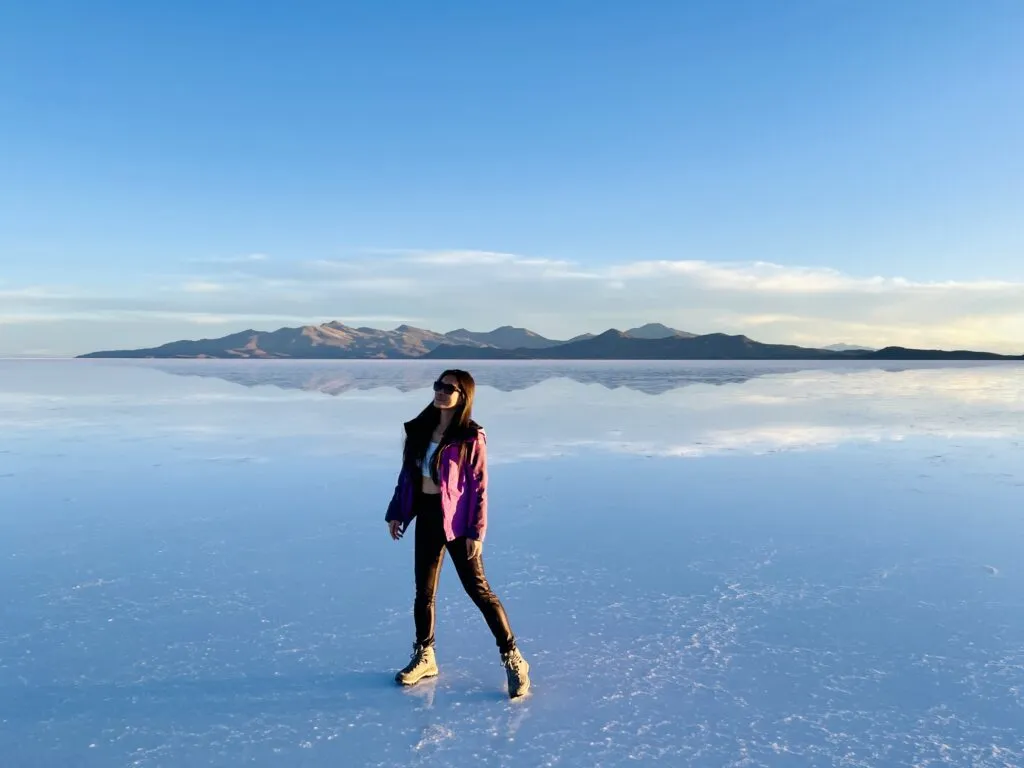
{"type": "Point", "coordinates": [447, 389]}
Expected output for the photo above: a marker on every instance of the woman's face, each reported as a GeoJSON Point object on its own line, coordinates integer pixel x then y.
{"type": "Point", "coordinates": [446, 393]}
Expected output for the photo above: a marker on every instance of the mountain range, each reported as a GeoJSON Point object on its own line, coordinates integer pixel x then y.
{"type": "Point", "coordinates": [653, 341]}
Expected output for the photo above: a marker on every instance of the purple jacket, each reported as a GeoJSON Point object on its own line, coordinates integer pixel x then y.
{"type": "Point", "coordinates": [463, 490]}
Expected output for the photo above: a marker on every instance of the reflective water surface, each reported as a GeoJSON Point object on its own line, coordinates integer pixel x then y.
{"type": "Point", "coordinates": [745, 564]}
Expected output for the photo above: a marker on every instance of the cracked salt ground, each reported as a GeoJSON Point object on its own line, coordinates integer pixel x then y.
{"type": "Point", "coordinates": [839, 586]}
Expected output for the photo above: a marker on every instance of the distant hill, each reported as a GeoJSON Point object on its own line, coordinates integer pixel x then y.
{"type": "Point", "coordinates": [654, 341]}
{"type": "Point", "coordinates": [848, 348]}
{"type": "Point", "coordinates": [505, 337]}
{"type": "Point", "coordinates": [656, 331]}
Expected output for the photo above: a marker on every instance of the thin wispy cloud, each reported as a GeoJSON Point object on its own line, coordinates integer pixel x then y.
{"type": "Point", "coordinates": [37, 293]}
{"type": "Point", "coordinates": [462, 258]}
{"type": "Point", "coordinates": [480, 259]}
{"type": "Point", "coordinates": [143, 315]}
{"type": "Point", "coordinates": [203, 286]}
{"type": "Point", "coordinates": [27, 318]}
{"type": "Point", "coordinates": [244, 258]}
{"type": "Point", "coordinates": [776, 278]}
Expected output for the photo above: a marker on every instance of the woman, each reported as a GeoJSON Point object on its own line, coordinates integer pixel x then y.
{"type": "Point", "coordinates": [443, 483]}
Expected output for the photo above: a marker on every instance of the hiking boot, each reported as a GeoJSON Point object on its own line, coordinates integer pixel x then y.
{"type": "Point", "coordinates": [422, 665]}
{"type": "Point", "coordinates": [518, 672]}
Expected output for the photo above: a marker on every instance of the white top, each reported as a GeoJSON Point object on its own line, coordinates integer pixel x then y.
{"type": "Point", "coordinates": [425, 466]}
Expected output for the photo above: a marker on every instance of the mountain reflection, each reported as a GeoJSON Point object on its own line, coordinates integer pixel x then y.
{"type": "Point", "coordinates": [531, 409]}
{"type": "Point", "coordinates": [336, 378]}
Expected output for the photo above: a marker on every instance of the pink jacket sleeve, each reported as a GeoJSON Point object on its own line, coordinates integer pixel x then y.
{"type": "Point", "coordinates": [478, 478]}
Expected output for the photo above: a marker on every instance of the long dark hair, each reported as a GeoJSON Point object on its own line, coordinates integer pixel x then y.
{"type": "Point", "coordinates": [420, 429]}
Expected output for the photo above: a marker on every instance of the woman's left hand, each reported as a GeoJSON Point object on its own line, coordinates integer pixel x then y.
{"type": "Point", "coordinates": [473, 548]}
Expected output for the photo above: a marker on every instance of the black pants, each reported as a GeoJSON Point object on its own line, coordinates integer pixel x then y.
{"type": "Point", "coordinates": [430, 548]}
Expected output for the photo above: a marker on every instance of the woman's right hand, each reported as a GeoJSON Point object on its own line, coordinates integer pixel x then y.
{"type": "Point", "coordinates": [395, 529]}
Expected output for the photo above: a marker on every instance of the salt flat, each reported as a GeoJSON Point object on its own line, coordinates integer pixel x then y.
{"type": "Point", "coordinates": [720, 564]}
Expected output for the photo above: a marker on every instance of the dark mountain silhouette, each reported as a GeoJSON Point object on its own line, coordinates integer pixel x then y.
{"type": "Point", "coordinates": [616, 345]}
{"type": "Point", "coordinates": [338, 341]}
{"type": "Point", "coordinates": [656, 331]}
{"type": "Point", "coordinates": [505, 337]}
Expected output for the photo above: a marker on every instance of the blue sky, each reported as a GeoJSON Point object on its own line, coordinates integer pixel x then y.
{"type": "Point", "coordinates": [800, 171]}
